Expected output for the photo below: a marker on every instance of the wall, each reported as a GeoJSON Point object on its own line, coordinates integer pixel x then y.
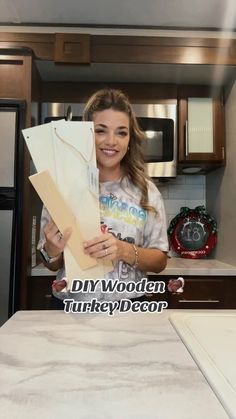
{"type": "Point", "coordinates": [184, 191]}
{"type": "Point", "coordinates": [221, 189]}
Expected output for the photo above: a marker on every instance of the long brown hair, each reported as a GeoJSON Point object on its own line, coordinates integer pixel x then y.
{"type": "Point", "coordinates": [133, 161]}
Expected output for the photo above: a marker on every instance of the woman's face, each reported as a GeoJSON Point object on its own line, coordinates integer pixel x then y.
{"type": "Point", "coordinates": [112, 135]}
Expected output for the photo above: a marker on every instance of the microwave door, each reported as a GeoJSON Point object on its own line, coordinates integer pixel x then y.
{"type": "Point", "coordinates": [153, 146]}
{"type": "Point", "coordinates": [159, 146]}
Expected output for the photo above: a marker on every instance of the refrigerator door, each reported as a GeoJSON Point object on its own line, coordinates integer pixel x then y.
{"type": "Point", "coordinates": [11, 187]}
{"type": "Point", "coordinates": [7, 155]}
{"type": "Point", "coordinates": [6, 223]}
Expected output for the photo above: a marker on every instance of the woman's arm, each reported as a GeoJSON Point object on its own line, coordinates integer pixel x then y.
{"type": "Point", "coordinates": [108, 247]}
{"type": "Point", "coordinates": [55, 265]}
{"type": "Point", "coordinates": [54, 245]}
{"type": "Point", "coordinates": [147, 259]}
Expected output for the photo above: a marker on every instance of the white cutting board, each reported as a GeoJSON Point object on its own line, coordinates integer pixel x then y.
{"type": "Point", "coordinates": [210, 337]}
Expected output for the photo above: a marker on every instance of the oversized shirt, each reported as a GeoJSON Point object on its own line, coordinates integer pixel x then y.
{"type": "Point", "coordinates": [122, 215]}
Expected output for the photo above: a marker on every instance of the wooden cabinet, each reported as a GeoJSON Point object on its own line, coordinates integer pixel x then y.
{"type": "Point", "coordinates": [201, 129]}
{"type": "Point", "coordinates": [230, 293]}
{"type": "Point", "coordinates": [72, 48]}
{"type": "Point", "coordinates": [200, 292]}
{"type": "Point", "coordinates": [158, 296]}
{"type": "Point", "coordinates": [39, 293]}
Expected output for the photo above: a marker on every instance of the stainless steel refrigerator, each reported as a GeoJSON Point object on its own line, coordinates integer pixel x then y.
{"type": "Point", "coordinates": [12, 117]}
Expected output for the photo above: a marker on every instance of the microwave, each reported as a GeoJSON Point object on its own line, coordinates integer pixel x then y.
{"type": "Point", "coordinates": [158, 121]}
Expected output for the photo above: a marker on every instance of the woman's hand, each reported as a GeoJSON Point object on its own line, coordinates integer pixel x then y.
{"type": "Point", "coordinates": [106, 246]}
{"type": "Point", "coordinates": [55, 241]}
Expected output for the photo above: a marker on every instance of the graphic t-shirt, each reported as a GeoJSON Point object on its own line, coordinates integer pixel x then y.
{"type": "Point", "coordinates": [122, 215]}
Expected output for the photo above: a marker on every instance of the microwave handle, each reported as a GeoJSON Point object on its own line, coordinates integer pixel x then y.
{"type": "Point", "coordinates": [186, 138]}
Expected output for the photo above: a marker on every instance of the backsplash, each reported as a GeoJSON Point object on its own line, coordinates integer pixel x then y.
{"type": "Point", "coordinates": [183, 191]}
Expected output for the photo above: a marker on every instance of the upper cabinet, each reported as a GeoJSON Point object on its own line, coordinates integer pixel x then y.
{"type": "Point", "coordinates": [72, 48]}
{"type": "Point", "coordinates": [201, 129]}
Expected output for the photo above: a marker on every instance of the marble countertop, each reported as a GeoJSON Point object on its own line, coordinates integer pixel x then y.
{"type": "Point", "coordinates": [209, 267]}
{"type": "Point", "coordinates": [175, 266]}
{"type": "Point", "coordinates": [129, 366]}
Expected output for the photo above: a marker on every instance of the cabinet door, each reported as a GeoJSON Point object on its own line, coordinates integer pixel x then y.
{"type": "Point", "coordinates": [201, 127]}
{"type": "Point", "coordinates": [200, 293]}
{"type": "Point", "coordinates": [72, 48]}
{"type": "Point", "coordinates": [158, 296]}
{"type": "Point", "coordinates": [40, 293]}
{"type": "Point", "coordinates": [230, 293]}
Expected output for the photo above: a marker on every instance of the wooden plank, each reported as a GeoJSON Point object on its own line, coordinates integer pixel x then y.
{"type": "Point", "coordinates": [62, 216]}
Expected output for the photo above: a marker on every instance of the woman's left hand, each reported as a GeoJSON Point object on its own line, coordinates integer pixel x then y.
{"type": "Point", "coordinates": [106, 246]}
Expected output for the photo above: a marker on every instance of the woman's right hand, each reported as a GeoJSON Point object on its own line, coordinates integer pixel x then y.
{"type": "Point", "coordinates": [55, 241]}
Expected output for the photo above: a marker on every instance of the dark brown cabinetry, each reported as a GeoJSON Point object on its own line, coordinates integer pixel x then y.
{"type": "Point", "coordinates": [200, 292]}
{"type": "Point", "coordinates": [206, 158]}
{"type": "Point", "coordinates": [39, 292]}
{"type": "Point", "coordinates": [72, 48]}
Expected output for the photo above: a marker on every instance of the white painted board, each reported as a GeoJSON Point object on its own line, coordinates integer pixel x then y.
{"type": "Point", "coordinates": [66, 149]}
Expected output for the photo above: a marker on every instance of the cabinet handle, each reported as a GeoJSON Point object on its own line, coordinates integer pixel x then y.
{"type": "Point", "coordinates": [198, 301]}
{"type": "Point", "coordinates": [186, 138]}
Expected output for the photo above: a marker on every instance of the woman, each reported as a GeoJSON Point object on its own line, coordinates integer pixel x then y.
{"type": "Point", "coordinates": [133, 220]}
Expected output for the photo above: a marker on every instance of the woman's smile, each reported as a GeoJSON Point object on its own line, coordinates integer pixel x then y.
{"type": "Point", "coordinates": [109, 152]}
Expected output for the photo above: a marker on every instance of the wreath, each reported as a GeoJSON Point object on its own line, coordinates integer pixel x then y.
{"type": "Point", "coordinates": [193, 233]}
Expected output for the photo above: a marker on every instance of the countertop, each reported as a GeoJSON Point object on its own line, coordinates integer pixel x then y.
{"type": "Point", "coordinates": [209, 267]}
{"type": "Point", "coordinates": [56, 365]}
{"type": "Point", "coordinates": [175, 266]}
